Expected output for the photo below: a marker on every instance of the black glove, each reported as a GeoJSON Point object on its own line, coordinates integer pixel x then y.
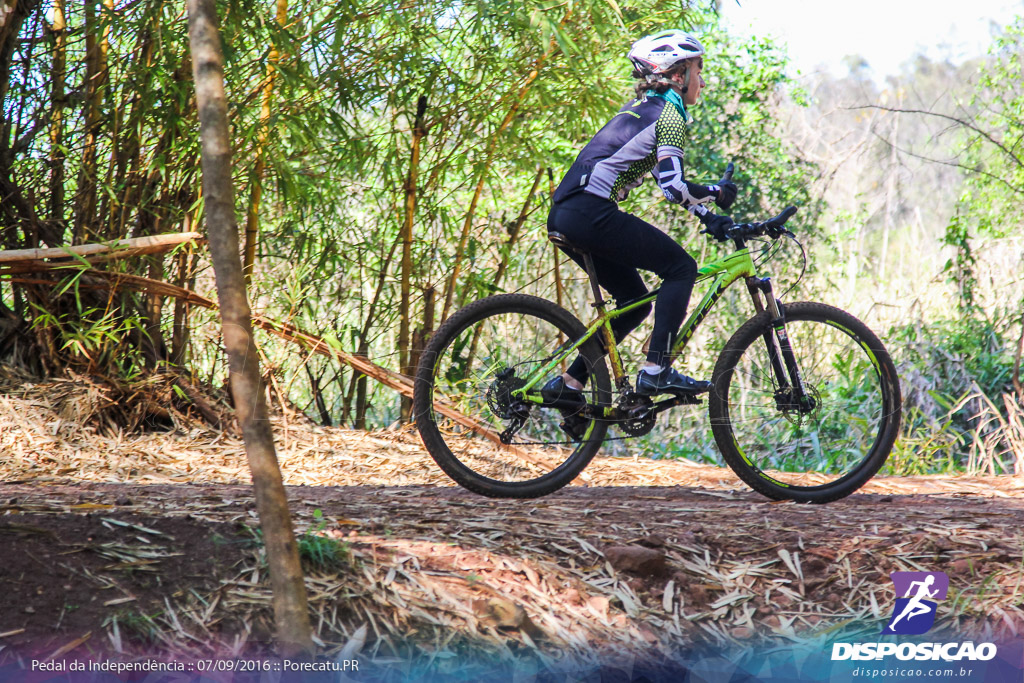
{"type": "Point", "coordinates": [726, 194]}
{"type": "Point", "coordinates": [716, 226]}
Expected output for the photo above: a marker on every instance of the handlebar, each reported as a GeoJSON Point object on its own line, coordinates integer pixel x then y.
{"type": "Point", "coordinates": [773, 227]}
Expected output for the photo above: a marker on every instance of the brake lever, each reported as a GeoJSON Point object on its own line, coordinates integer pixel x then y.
{"type": "Point", "coordinates": [775, 232]}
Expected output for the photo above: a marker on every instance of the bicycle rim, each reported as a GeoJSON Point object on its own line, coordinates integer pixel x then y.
{"type": "Point", "coordinates": [476, 362]}
{"type": "Point", "coordinates": [817, 452]}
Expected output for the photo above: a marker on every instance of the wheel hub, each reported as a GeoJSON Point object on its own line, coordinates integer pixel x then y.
{"type": "Point", "coordinates": [794, 407]}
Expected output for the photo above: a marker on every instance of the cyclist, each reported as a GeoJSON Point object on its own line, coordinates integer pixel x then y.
{"type": "Point", "coordinates": [646, 135]}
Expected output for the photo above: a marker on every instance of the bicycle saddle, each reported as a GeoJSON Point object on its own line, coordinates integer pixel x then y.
{"type": "Point", "coordinates": [562, 242]}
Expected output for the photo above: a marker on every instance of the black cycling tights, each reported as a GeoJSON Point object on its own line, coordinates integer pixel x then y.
{"type": "Point", "coordinates": [621, 243]}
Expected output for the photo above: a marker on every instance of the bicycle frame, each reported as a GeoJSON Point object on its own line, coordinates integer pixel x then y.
{"type": "Point", "coordinates": [725, 272]}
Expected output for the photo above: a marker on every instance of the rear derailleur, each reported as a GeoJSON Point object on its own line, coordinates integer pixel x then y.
{"type": "Point", "coordinates": [503, 405]}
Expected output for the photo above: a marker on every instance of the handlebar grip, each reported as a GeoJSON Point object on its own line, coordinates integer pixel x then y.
{"type": "Point", "coordinates": [781, 219]}
{"type": "Point", "coordinates": [730, 167]}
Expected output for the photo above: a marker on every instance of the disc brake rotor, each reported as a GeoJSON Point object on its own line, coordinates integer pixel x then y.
{"type": "Point", "coordinates": [798, 410]}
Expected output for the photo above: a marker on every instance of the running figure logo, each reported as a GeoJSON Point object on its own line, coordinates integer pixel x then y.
{"type": "Point", "coordinates": [916, 593]}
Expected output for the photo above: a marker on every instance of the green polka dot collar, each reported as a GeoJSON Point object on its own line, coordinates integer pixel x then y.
{"type": "Point", "coordinates": [673, 97]}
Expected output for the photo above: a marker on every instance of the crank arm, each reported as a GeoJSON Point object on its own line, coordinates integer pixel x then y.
{"type": "Point", "coordinates": [680, 400]}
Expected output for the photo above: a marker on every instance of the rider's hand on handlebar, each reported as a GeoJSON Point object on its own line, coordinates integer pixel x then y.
{"type": "Point", "coordinates": [716, 226]}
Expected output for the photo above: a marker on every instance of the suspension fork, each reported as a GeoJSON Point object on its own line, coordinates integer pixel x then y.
{"type": "Point", "coordinates": [780, 350]}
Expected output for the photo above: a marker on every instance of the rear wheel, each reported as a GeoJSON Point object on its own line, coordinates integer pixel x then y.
{"type": "Point", "coordinates": [475, 363]}
{"type": "Point", "coordinates": [826, 444]}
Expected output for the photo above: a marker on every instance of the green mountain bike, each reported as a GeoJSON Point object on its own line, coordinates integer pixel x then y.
{"type": "Point", "coordinates": [805, 403]}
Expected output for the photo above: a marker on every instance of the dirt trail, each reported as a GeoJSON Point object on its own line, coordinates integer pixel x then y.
{"type": "Point", "coordinates": [435, 569]}
{"type": "Point", "coordinates": [130, 545]}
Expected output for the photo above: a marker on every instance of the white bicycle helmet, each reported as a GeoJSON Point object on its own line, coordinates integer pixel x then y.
{"type": "Point", "coordinates": [656, 54]}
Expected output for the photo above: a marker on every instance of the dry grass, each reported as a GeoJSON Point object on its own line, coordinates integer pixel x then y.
{"type": "Point", "coordinates": [42, 433]}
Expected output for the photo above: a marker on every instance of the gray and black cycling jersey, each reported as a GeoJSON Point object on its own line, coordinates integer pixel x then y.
{"type": "Point", "coordinates": [619, 156]}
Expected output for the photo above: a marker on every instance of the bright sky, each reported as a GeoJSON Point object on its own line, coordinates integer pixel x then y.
{"type": "Point", "coordinates": [886, 33]}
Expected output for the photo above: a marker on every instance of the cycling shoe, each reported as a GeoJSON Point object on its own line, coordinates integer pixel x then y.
{"type": "Point", "coordinates": [573, 424]}
{"type": "Point", "coordinates": [669, 381]}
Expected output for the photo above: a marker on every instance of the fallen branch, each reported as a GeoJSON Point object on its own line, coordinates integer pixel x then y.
{"type": "Point", "coordinates": [30, 260]}
{"type": "Point", "coordinates": [389, 378]}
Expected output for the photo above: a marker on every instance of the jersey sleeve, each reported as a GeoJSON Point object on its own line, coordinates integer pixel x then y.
{"type": "Point", "coordinates": [670, 135]}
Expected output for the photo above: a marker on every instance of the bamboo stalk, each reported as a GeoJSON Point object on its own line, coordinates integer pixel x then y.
{"type": "Point", "coordinates": [121, 248]}
{"type": "Point", "coordinates": [252, 228]}
{"type": "Point", "coordinates": [507, 252]}
{"type": "Point", "coordinates": [555, 252]}
{"type": "Point", "coordinates": [133, 179]}
{"type": "Point", "coordinates": [96, 47]}
{"type": "Point", "coordinates": [467, 225]}
{"type": "Point", "coordinates": [513, 234]}
{"type": "Point", "coordinates": [186, 265]}
{"type": "Point", "coordinates": [357, 385]}
{"type": "Point", "coordinates": [418, 132]}
{"type": "Point", "coordinates": [59, 30]}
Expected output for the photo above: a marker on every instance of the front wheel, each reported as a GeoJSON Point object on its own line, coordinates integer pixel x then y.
{"type": "Point", "coordinates": [819, 446]}
{"type": "Point", "coordinates": [479, 363]}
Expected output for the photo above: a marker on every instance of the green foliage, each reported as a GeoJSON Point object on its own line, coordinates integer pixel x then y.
{"type": "Point", "coordinates": [321, 553]}
{"type": "Point", "coordinates": [994, 191]}
{"type": "Point", "coordinates": [961, 269]}
{"type": "Point", "coordinates": [92, 334]}
{"type": "Point", "coordinates": [946, 368]}
{"type": "Point", "coordinates": [316, 551]}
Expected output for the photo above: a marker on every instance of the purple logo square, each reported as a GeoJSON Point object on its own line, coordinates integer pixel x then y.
{"type": "Point", "coordinates": [936, 584]}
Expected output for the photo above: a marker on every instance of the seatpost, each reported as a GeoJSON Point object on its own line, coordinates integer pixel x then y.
{"type": "Point", "coordinates": [592, 274]}
{"type": "Point", "coordinates": [608, 337]}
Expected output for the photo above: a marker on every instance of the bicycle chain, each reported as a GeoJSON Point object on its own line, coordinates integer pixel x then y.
{"type": "Point", "coordinates": [624, 425]}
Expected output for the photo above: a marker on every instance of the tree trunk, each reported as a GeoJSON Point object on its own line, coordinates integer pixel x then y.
{"type": "Point", "coordinates": [294, 634]}
{"type": "Point", "coordinates": [404, 353]}
{"type": "Point", "coordinates": [252, 215]}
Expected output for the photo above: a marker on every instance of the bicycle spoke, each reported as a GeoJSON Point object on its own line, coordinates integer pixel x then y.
{"type": "Point", "coordinates": [482, 365]}
{"type": "Point", "coordinates": [784, 443]}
